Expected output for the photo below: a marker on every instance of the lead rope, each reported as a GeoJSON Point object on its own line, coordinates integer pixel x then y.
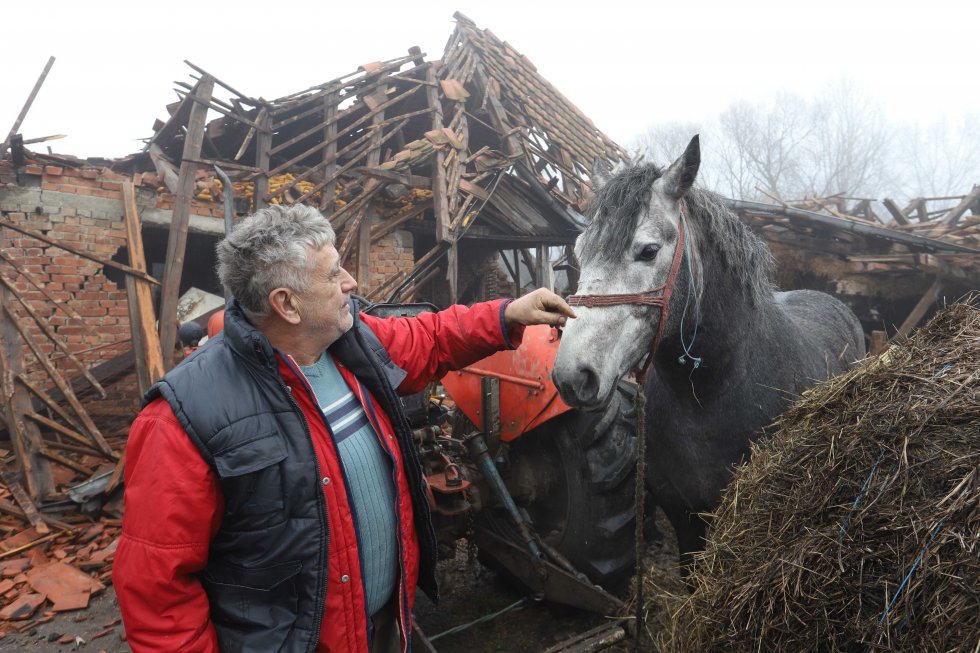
{"type": "Point", "coordinates": [639, 501]}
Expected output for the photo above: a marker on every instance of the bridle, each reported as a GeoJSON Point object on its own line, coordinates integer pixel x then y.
{"type": "Point", "coordinates": [659, 296]}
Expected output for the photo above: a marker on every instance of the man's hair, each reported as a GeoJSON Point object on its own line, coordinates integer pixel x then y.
{"type": "Point", "coordinates": [271, 249]}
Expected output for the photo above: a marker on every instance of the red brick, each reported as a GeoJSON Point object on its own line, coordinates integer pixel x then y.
{"type": "Point", "coordinates": [53, 170]}
{"type": "Point", "coordinates": [33, 169]}
{"type": "Point", "coordinates": [89, 173]}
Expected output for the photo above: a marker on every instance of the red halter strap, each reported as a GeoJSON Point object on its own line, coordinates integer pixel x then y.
{"type": "Point", "coordinates": [659, 296]}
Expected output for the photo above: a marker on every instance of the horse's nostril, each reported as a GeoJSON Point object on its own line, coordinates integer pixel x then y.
{"type": "Point", "coordinates": [589, 385]}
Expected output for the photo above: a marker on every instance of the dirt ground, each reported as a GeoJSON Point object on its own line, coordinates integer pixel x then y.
{"type": "Point", "coordinates": [469, 592]}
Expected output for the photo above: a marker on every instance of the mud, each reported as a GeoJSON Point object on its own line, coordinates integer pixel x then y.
{"type": "Point", "coordinates": [469, 592]}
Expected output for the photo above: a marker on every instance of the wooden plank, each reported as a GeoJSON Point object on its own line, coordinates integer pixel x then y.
{"type": "Point", "coordinates": [59, 381]}
{"type": "Point", "coordinates": [60, 428]}
{"type": "Point", "coordinates": [452, 270]}
{"type": "Point", "coordinates": [165, 169]}
{"type": "Point", "coordinates": [382, 229]}
{"type": "Point", "coordinates": [327, 201]}
{"type": "Point", "coordinates": [77, 252]}
{"type": "Point", "coordinates": [545, 273]}
{"type": "Point", "coordinates": [412, 181]}
{"type": "Point", "coordinates": [364, 228]}
{"type": "Point", "coordinates": [399, 121]}
{"type": "Point", "coordinates": [25, 503]}
{"type": "Point", "coordinates": [260, 119]}
{"type": "Point", "coordinates": [52, 336]}
{"type": "Point", "coordinates": [371, 188]}
{"type": "Point", "coordinates": [440, 188]}
{"type": "Point", "coordinates": [896, 212]}
{"type": "Point", "coordinates": [176, 122]}
{"type": "Point", "coordinates": [117, 474]}
{"type": "Point", "coordinates": [263, 146]}
{"type": "Point", "coordinates": [927, 300]}
{"type": "Point", "coordinates": [47, 401]}
{"type": "Point", "coordinates": [230, 89]}
{"type": "Point", "coordinates": [37, 283]}
{"type": "Point", "coordinates": [142, 320]}
{"type": "Point", "coordinates": [350, 164]}
{"type": "Point", "coordinates": [27, 106]}
{"type": "Point", "coordinates": [177, 241]}
{"type": "Point", "coordinates": [64, 461]}
{"type": "Point", "coordinates": [957, 211]}
{"type": "Point", "coordinates": [24, 438]}
{"type": "Point", "coordinates": [349, 128]}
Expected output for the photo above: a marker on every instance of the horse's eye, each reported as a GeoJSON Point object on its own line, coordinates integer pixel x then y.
{"type": "Point", "coordinates": [648, 253]}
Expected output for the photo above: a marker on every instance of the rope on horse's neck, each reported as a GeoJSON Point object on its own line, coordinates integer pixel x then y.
{"type": "Point", "coordinates": [696, 360]}
{"type": "Point", "coordinates": [639, 501]}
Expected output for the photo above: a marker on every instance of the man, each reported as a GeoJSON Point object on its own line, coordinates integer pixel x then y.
{"type": "Point", "coordinates": [274, 499]}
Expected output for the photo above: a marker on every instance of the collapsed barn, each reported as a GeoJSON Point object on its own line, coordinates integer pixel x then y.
{"type": "Point", "coordinates": [448, 180]}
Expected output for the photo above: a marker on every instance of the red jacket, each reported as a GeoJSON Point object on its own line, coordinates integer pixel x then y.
{"type": "Point", "coordinates": [174, 502]}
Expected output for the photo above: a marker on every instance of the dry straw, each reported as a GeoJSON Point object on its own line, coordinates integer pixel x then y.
{"type": "Point", "coordinates": [857, 526]}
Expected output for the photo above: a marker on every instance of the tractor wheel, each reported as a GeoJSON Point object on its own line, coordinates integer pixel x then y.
{"type": "Point", "coordinates": [575, 477]}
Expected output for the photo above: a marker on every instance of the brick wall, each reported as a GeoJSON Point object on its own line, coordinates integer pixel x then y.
{"type": "Point", "coordinates": [82, 207]}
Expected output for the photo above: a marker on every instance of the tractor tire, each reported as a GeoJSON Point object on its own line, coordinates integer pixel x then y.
{"type": "Point", "coordinates": [583, 467]}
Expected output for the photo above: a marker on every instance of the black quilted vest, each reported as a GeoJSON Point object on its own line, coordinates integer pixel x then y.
{"type": "Point", "coordinates": [266, 572]}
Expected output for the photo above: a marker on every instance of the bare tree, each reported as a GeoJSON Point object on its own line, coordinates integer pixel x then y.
{"type": "Point", "coordinates": [939, 159]}
{"type": "Point", "coordinates": [847, 149]}
{"type": "Point", "coordinates": [839, 143]}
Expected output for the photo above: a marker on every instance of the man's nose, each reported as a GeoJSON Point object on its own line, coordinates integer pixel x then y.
{"type": "Point", "coordinates": [350, 283]}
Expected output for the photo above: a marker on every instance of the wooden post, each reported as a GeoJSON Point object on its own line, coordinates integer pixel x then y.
{"type": "Point", "coordinates": [24, 435]}
{"type": "Point", "coordinates": [263, 143]}
{"type": "Point", "coordinates": [146, 342]}
{"type": "Point", "coordinates": [364, 226]}
{"type": "Point", "coordinates": [517, 276]}
{"type": "Point", "coordinates": [919, 311]}
{"type": "Point", "coordinates": [452, 274]}
{"type": "Point", "coordinates": [177, 242]}
{"type": "Point", "coordinates": [327, 202]}
{"type": "Point", "coordinates": [440, 186]}
{"type": "Point", "coordinates": [545, 273]}
{"type": "Point", "coordinates": [879, 342]}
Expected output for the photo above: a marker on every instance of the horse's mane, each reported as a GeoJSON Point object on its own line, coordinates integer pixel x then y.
{"type": "Point", "coordinates": [724, 240]}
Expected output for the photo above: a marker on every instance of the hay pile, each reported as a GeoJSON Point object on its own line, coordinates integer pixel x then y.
{"type": "Point", "coordinates": [857, 527]}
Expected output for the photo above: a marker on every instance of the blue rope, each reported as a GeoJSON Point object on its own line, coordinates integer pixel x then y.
{"type": "Point", "coordinates": [516, 605]}
{"type": "Point", "coordinates": [898, 592]}
{"type": "Point", "coordinates": [857, 501]}
{"type": "Point", "coordinates": [945, 369]}
{"type": "Point", "coordinates": [696, 360]}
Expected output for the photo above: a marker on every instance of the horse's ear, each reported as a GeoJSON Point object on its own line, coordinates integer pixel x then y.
{"type": "Point", "coordinates": [681, 173]}
{"type": "Point", "coordinates": [602, 172]}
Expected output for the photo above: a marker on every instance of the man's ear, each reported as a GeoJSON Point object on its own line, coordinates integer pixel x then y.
{"type": "Point", "coordinates": [284, 303]}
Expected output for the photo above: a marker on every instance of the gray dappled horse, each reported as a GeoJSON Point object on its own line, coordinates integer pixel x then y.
{"type": "Point", "coordinates": [731, 353]}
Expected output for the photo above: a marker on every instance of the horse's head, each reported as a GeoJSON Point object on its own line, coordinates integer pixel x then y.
{"type": "Point", "coordinates": [628, 248]}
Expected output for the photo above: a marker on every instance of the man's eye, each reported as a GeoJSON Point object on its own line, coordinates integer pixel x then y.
{"type": "Point", "coordinates": [648, 253]}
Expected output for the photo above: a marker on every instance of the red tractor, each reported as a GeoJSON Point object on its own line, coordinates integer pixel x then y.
{"type": "Point", "coordinates": [545, 490]}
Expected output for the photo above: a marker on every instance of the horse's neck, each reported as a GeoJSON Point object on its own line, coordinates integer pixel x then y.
{"type": "Point", "coordinates": [729, 329]}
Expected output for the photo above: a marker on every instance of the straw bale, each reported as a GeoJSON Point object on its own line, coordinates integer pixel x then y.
{"type": "Point", "coordinates": [856, 527]}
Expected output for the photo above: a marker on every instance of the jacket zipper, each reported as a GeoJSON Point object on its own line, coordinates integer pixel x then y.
{"type": "Point", "coordinates": [322, 503]}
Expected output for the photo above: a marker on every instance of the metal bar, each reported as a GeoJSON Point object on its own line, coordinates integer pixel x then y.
{"type": "Point", "coordinates": [527, 383]}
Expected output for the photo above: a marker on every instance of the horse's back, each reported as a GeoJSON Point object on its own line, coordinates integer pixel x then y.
{"type": "Point", "coordinates": [826, 324]}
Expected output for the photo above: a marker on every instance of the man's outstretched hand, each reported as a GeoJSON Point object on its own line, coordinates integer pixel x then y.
{"type": "Point", "coordinates": [539, 307]}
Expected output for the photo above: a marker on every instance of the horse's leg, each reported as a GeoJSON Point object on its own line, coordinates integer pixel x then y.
{"type": "Point", "coordinates": [690, 530]}
{"type": "Point", "coordinates": [690, 540]}
{"type": "Point", "coordinates": [651, 532]}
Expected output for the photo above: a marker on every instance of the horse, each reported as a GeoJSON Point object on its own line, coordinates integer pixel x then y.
{"type": "Point", "coordinates": [669, 273]}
